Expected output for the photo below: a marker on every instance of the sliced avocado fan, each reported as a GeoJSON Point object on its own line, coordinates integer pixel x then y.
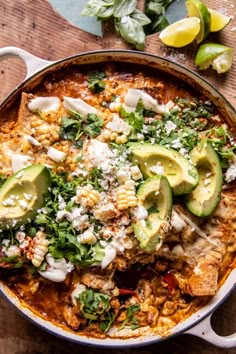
{"type": "Point", "coordinates": [155, 196]}
{"type": "Point", "coordinates": [180, 172]}
{"type": "Point", "coordinates": [22, 195]}
{"type": "Point", "coordinates": [206, 196]}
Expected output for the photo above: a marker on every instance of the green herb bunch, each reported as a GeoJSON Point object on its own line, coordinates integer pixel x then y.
{"type": "Point", "coordinates": [129, 22]}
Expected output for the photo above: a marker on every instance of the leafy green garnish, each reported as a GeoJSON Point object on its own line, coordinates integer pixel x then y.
{"type": "Point", "coordinates": [134, 119]}
{"type": "Point", "coordinates": [72, 128]}
{"type": "Point", "coordinates": [93, 304]}
{"type": "Point", "coordinates": [155, 10]}
{"type": "Point", "coordinates": [94, 125]}
{"type": "Point", "coordinates": [131, 310]}
{"type": "Point", "coordinates": [103, 9]}
{"type": "Point", "coordinates": [2, 179]}
{"type": "Point", "coordinates": [128, 21]}
{"type": "Point", "coordinates": [153, 209]}
{"type": "Point", "coordinates": [95, 81]}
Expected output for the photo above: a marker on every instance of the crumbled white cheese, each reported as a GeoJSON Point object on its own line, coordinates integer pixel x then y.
{"type": "Point", "coordinates": [158, 169]}
{"type": "Point", "coordinates": [28, 196]}
{"type": "Point", "coordinates": [184, 152]}
{"type": "Point", "coordinates": [23, 204]}
{"type": "Point", "coordinates": [57, 270]}
{"type": "Point", "coordinates": [55, 154]}
{"type": "Point", "coordinates": [19, 161]}
{"type": "Point", "coordinates": [230, 174]}
{"type": "Point", "coordinates": [133, 96]}
{"type": "Point", "coordinates": [176, 222]}
{"type": "Point", "coordinates": [99, 154]}
{"type": "Point", "coordinates": [118, 125]}
{"type": "Point", "coordinates": [44, 104]}
{"type": "Point", "coordinates": [207, 181]}
{"type": "Point", "coordinates": [140, 213]}
{"type": "Point", "coordinates": [170, 127]}
{"type": "Point", "coordinates": [10, 201]}
{"type": "Point", "coordinates": [12, 251]}
{"type": "Point", "coordinates": [176, 144]}
{"type": "Point", "coordinates": [78, 105]}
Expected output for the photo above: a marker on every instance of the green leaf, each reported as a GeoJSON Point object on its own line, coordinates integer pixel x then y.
{"type": "Point", "coordinates": [155, 10]}
{"type": "Point", "coordinates": [131, 310]}
{"type": "Point", "coordinates": [140, 17]}
{"type": "Point", "coordinates": [99, 8]}
{"type": "Point", "coordinates": [123, 7]}
{"type": "Point", "coordinates": [131, 31]}
{"type": "Point", "coordinates": [94, 125]}
{"type": "Point", "coordinates": [93, 304]}
{"type": "Point", "coordinates": [95, 81]}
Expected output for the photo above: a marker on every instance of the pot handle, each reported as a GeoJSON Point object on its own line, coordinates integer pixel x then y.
{"type": "Point", "coordinates": [205, 331]}
{"type": "Point", "coordinates": [32, 63]}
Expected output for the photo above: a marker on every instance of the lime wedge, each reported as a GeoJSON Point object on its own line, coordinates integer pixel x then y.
{"type": "Point", "coordinates": [218, 20]}
{"type": "Point", "coordinates": [180, 33]}
{"type": "Point", "coordinates": [198, 9]}
{"type": "Point", "coordinates": [216, 55]}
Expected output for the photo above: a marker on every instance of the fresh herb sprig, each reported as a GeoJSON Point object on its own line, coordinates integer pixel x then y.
{"type": "Point", "coordinates": [74, 126]}
{"type": "Point", "coordinates": [96, 81]}
{"type": "Point", "coordinates": [130, 319]}
{"type": "Point", "coordinates": [96, 306]}
{"type": "Point", "coordinates": [129, 21]}
{"type": "Point", "coordinates": [155, 10]}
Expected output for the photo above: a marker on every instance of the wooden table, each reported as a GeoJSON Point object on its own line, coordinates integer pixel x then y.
{"type": "Point", "coordinates": [36, 27]}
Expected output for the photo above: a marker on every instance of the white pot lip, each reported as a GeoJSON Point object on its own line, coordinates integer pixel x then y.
{"type": "Point", "coordinates": [51, 64]}
{"type": "Point", "coordinates": [194, 320]}
{"type": "Point", "coordinates": [221, 295]}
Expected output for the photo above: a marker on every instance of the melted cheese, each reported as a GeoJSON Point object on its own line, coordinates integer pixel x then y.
{"type": "Point", "coordinates": [133, 96]}
{"type": "Point", "coordinates": [44, 104]}
{"type": "Point", "coordinates": [79, 106]}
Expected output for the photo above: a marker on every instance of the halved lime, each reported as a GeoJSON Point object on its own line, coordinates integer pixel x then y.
{"type": "Point", "coordinates": [218, 20]}
{"type": "Point", "coordinates": [181, 33]}
{"type": "Point", "coordinates": [198, 9]}
{"type": "Point", "coordinates": [216, 55]}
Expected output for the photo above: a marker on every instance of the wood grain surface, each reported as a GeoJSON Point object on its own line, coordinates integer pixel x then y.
{"type": "Point", "coordinates": [34, 26]}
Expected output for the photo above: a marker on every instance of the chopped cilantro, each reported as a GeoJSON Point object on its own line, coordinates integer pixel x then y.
{"type": "Point", "coordinates": [153, 209]}
{"type": "Point", "coordinates": [95, 81]}
{"type": "Point", "coordinates": [93, 304]}
{"type": "Point", "coordinates": [73, 128]}
{"type": "Point", "coordinates": [131, 310]}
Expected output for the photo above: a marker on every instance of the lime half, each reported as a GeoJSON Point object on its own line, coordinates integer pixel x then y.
{"type": "Point", "coordinates": [216, 55]}
{"type": "Point", "coordinates": [198, 9]}
{"type": "Point", "coordinates": [180, 33]}
{"type": "Point", "coordinates": [218, 20]}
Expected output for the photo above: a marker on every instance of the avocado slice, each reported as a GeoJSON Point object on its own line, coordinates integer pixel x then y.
{"type": "Point", "coordinates": [206, 196]}
{"type": "Point", "coordinates": [179, 171]}
{"type": "Point", "coordinates": [22, 195]}
{"type": "Point", "coordinates": [155, 196]}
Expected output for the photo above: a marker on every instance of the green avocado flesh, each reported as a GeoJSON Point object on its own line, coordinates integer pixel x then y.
{"type": "Point", "coordinates": [155, 196]}
{"type": "Point", "coordinates": [206, 196]}
{"type": "Point", "coordinates": [181, 174]}
{"type": "Point", "coordinates": [22, 195]}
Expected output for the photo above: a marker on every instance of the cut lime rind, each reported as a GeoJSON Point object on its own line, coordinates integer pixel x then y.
{"type": "Point", "coordinates": [181, 33]}
{"type": "Point", "coordinates": [218, 20]}
{"type": "Point", "coordinates": [198, 9]}
{"type": "Point", "coordinates": [216, 55]}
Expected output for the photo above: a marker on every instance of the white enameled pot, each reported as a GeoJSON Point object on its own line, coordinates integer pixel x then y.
{"type": "Point", "coordinates": [199, 324]}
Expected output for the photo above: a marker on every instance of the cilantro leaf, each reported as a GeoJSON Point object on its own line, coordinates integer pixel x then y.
{"type": "Point", "coordinates": [94, 125]}
{"type": "Point", "coordinates": [131, 310]}
{"type": "Point", "coordinates": [95, 81]}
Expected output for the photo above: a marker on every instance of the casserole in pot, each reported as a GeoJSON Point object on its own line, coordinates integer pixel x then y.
{"type": "Point", "coordinates": [117, 197]}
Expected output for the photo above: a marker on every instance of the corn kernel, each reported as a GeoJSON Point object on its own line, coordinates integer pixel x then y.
{"type": "Point", "coordinates": [113, 136]}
